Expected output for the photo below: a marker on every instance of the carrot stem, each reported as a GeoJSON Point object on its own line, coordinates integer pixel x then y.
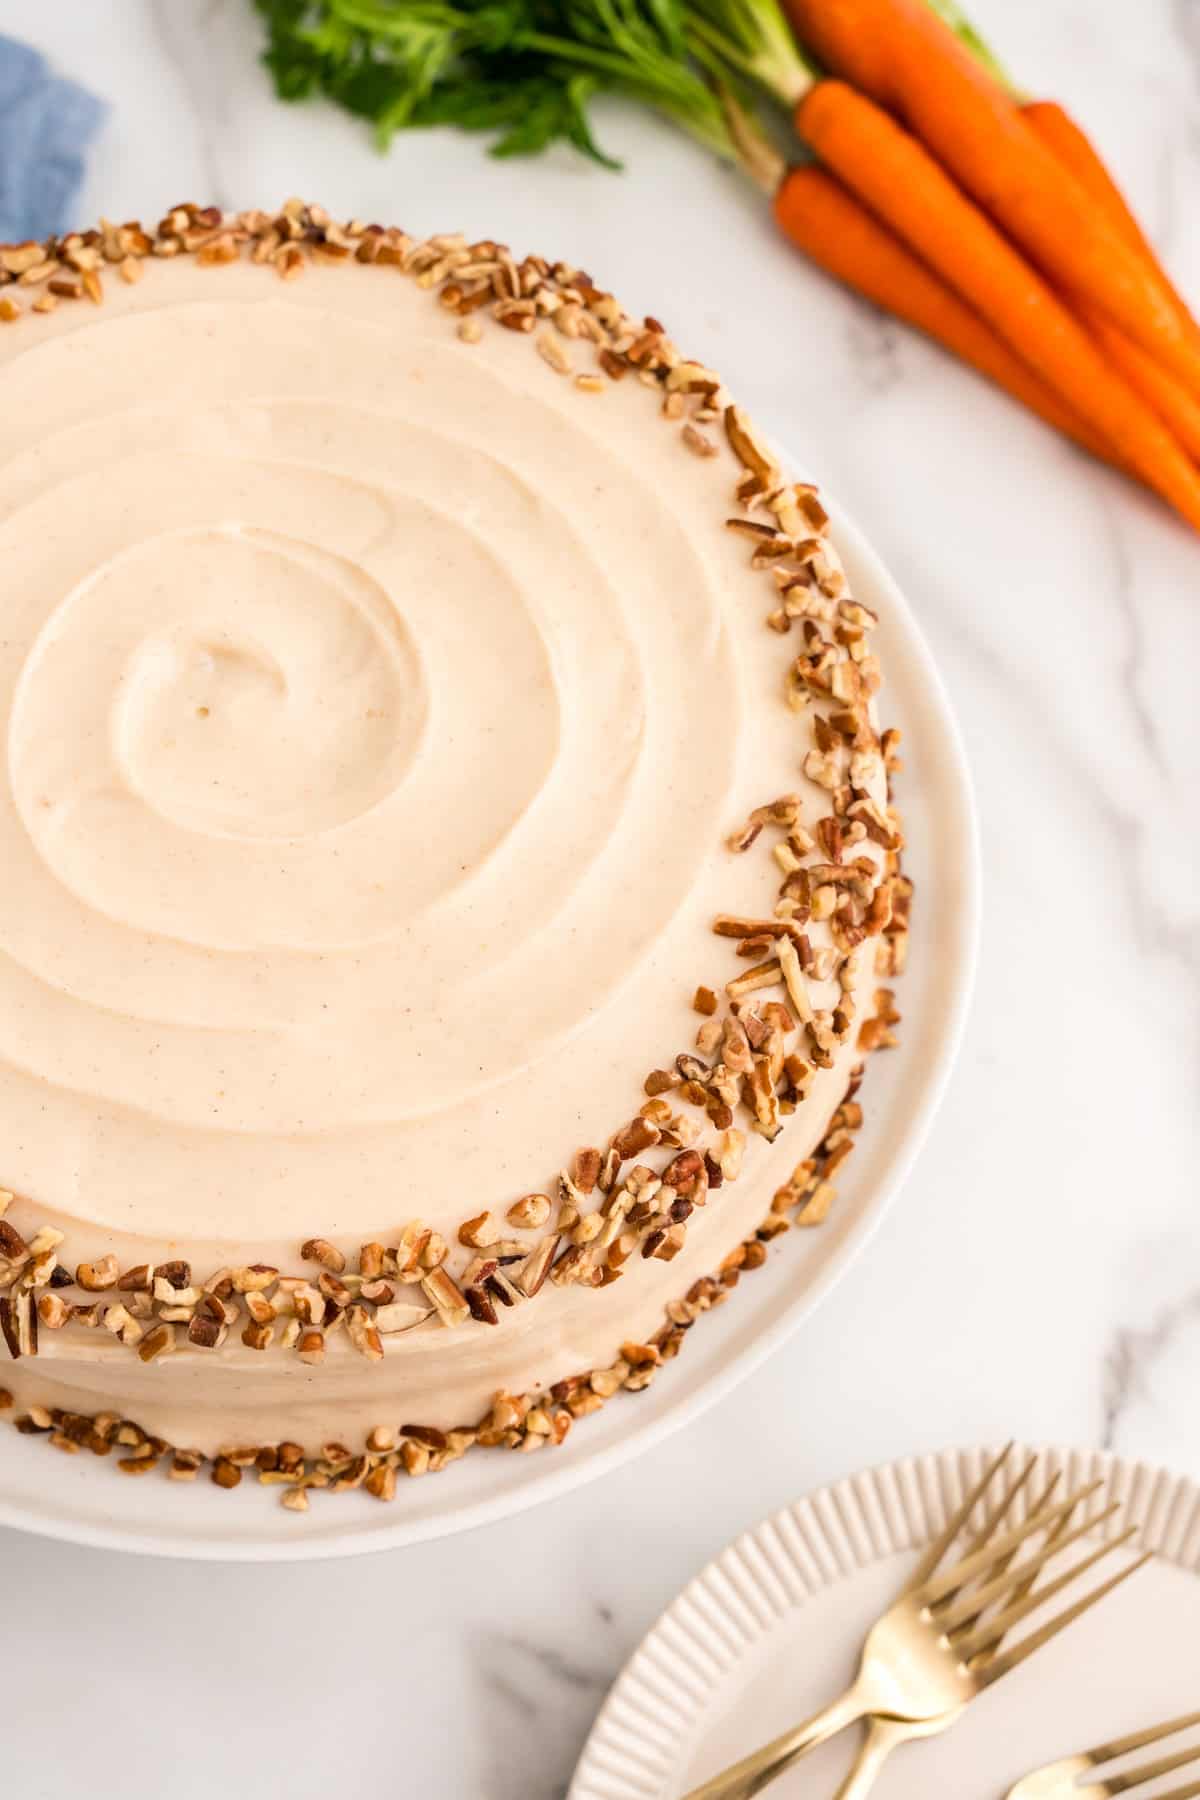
{"type": "Point", "coordinates": [753, 38]}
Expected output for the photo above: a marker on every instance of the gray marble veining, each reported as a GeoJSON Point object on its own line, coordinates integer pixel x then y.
{"type": "Point", "coordinates": [182, 32]}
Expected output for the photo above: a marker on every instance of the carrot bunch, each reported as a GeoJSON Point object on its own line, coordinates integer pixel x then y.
{"type": "Point", "coordinates": [994, 226]}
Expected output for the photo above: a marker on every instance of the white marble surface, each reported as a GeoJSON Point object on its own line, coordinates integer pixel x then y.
{"type": "Point", "coordinates": [1041, 1277]}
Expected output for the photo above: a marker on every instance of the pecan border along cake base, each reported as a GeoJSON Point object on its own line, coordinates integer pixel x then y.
{"type": "Point", "coordinates": [522, 1422]}
{"type": "Point", "coordinates": [754, 1062]}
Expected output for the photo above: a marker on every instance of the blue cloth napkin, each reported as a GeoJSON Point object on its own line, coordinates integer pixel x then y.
{"type": "Point", "coordinates": [46, 124]}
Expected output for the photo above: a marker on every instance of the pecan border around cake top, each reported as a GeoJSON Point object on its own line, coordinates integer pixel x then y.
{"type": "Point", "coordinates": [751, 1062]}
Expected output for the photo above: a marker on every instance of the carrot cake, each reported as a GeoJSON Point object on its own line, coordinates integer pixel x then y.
{"type": "Point", "coordinates": [448, 857]}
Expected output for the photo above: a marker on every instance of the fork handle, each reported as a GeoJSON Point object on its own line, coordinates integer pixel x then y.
{"type": "Point", "coordinates": [770, 1761]}
{"type": "Point", "coordinates": [880, 1738]}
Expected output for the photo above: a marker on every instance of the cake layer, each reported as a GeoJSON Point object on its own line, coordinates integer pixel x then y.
{"type": "Point", "coordinates": [379, 695]}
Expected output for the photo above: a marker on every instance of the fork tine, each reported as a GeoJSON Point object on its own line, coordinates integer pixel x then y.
{"type": "Point", "coordinates": [1188, 1792]}
{"type": "Point", "coordinates": [980, 1598]}
{"type": "Point", "coordinates": [993, 1519]}
{"type": "Point", "coordinates": [1003, 1563]}
{"type": "Point", "coordinates": [1179, 1759]}
{"type": "Point", "coordinates": [1037, 1507]}
{"type": "Point", "coordinates": [955, 1523]}
{"type": "Point", "coordinates": [993, 1629]}
{"type": "Point", "coordinates": [938, 1586]}
{"type": "Point", "coordinates": [1003, 1661]}
{"type": "Point", "coordinates": [1138, 1740]}
{"type": "Point", "coordinates": [997, 1513]}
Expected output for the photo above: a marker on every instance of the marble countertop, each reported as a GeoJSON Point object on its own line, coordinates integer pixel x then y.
{"type": "Point", "coordinates": [1041, 1276]}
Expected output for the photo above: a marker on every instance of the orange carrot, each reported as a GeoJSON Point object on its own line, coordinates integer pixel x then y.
{"type": "Point", "coordinates": [1177, 408]}
{"type": "Point", "coordinates": [1072, 147]}
{"type": "Point", "coordinates": [1173, 403]}
{"type": "Point", "coordinates": [898, 180]}
{"type": "Point", "coordinates": [825, 220]}
{"type": "Point", "coordinates": [901, 54]}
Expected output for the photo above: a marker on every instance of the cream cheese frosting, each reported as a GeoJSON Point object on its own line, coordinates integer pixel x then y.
{"type": "Point", "coordinates": [376, 707]}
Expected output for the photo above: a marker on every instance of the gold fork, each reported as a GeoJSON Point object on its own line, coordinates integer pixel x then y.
{"type": "Point", "coordinates": [1060, 1780]}
{"type": "Point", "coordinates": [938, 1645]}
{"type": "Point", "coordinates": [881, 1735]}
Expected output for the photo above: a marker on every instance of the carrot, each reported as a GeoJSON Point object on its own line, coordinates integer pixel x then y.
{"type": "Point", "coordinates": [1072, 147]}
{"type": "Point", "coordinates": [898, 180]}
{"type": "Point", "coordinates": [901, 54]}
{"type": "Point", "coordinates": [825, 220]}
{"type": "Point", "coordinates": [1171, 401]}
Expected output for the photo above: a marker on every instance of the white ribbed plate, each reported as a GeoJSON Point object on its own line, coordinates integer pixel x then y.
{"type": "Point", "coordinates": [770, 1631]}
{"type": "Point", "coordinates": [77, 1498]}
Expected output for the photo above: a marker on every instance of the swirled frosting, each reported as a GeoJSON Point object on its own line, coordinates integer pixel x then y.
{"type": "Point", "coordinates": [374, 708]}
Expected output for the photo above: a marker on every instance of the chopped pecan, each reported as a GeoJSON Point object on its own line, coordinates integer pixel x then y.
{"type": "Point", "coordinates": [156, 1343]}
{"type": "Point", "coordinates": [481, 1304]}
{"type": "Point", "coordinates": [12, 1244]}
{"type": "Point", "coordinates": [766, 974]}
{"type": "Point", "coordinates": [532, 1273]}
{"type": "Point", "coordinates": [749, 449]}
{"type": "Point", "coordinates": [477, 1232]}
{"type": "Point", "coordinates": [446, 1295]}
{"type": "Point", "coordinates": [320, 1250]}
{"type": "Point", "coordinates": [204, 1331]}
{"type": "Point", "coordinates": [96, 1277]}
{"type": "Point", "coordinates": [256, 1278]}
{"type": "Point", "coordinates": [685, 1172]}
{"type": "Point", "coordinates": [399, 1315]}
{"type": "Point", "coordinates": [530, 1211]}
{"type": "Point", "coordinates": [635, 1137]}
